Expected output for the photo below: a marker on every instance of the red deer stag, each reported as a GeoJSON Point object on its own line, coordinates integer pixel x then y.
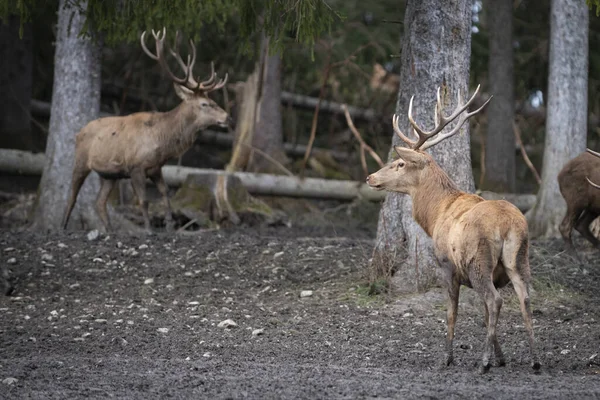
{"type": "Point", "coordinates": [576, 182]}
{"type": "Point", "coordinates": [482, 244]}
{"type": "Point", "coordinates": [136, 146]}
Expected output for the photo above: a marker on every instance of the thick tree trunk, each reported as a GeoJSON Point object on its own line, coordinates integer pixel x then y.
{"type": "Point", "coordinates": [500, 138]}
{"type": "Point", "coordinates": [566, 120]}
{"type": "Point", "coordinates": [435, 52]}
{"type": "Point", "coordinates": [16, 61]}
{"type": "Point", "coordinates": [268, 134]}
{"type": "Point", "coordinates": [75, 101]}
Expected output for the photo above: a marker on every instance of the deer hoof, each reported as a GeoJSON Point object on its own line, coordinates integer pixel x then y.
{"type": "Point", "coordinates": [485, 367]}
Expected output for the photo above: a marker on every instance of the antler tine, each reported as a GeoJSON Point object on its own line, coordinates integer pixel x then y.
{"type": "Point", "coordinates": [191, 61]}
{"type": "Point", "coordinates": [592, 183]}
{"type": "Point", "coordinates": [460, 123]}
{"type": "Point", "coordinates": [400, 134]}
{"type": "Point", "coordinates": [593, 152]}
{"type": "Point", "coordinates": [160, 43]}
{"type": "Point", "coordinates": [148, 52]}
{"type": "Point", "coordinates": [208, 84]}
{"type": "Point", "coordinates": [221, 83]}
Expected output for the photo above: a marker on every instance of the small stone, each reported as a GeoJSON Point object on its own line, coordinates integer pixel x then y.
{"type": "Point", "coordinates": [306, 293]}
{"type": "Point", "coordinates": [93, 235]}
{"type": "Point", "coordinates": [9, 249]}
{"type": "Point", "coordinates": [100, 321]}
{"type": "Point", "coordinates": [62, 246]}
{"type": "Point", "coordinates": [98, 260]}
{"type": "Point", "coordinates": [149, 281]}
{"type": "Point", "coordinates": [258, 332]}
{"type": "Point", "coordinates": [142, 246]}
{"type": "Point", "coordinates": [47, 257]}
{"type": "Point", "coordinates": [163, 330]}
{"type": "Point", "coordinates": [207, 355]}
{"type": "Point", "coordinates": [10, 381]}
{"type": "Point", "coordinates": [277, 255]}
{"type": "Point", "coordinates": [11, 261]}
{"type": "Point", "coordinates": [54, 313]}
{"type": "Point", "coordinates": [193, 303]}
{"type": "Point", "coordinates": [565, 351]}
{"type": "Point", "coordinates": [228, 323]}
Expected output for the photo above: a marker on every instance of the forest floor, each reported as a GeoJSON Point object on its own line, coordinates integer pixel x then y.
{"type": "Point", "coordinates": [273, 312]}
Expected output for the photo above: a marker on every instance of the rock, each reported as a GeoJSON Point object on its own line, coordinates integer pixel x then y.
{"type": "Point", "coordinates": [62, 245]}
{"type": "Point", "coordinates": [47, 257]}
{"type": "Point", "coordinates": [277, 255]}
{"type": "Point", "coordinates": [163, 330]}
{"type": "Point", "coordinates": [142, 247]}
{"type": "Point", "coordinates": [93, 235]}
{"type": "Point", "coordinates": [149, 281]}
{"type": "Point", "coordinates": [10, 381]}
{"type": "Point", "coordinates": [306, 293]}
{"type": "Point", "coordinates": [11, 261]}
{"type": "Point", "coordinates": [227, 324]}
{"type": "Point", "coordinates": [258, 332]}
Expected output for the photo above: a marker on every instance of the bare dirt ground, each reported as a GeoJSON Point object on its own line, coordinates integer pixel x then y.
{"type": "Point", "coordinates": [142, 317]}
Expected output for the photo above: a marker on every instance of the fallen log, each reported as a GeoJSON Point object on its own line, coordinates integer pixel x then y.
{"type": "Point", "coordinates": [42, 109]}
{"type": "Point", "coordinates": [310, 103]}
{"type": "Point", "coordinates": [26, 163]}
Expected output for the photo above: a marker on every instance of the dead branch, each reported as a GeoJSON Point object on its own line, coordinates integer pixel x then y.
{"type": "Point", "coordinates": [524, 153]}
{"type": "Point", "coordinates": [363, 145]}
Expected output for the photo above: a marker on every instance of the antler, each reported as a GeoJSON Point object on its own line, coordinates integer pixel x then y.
{"type": "Point", "coordinates": [440, 122]}
{"type": "Point", "coordinates": [588, 179]}
{"type": "Point", "coordinates": [189, 82]}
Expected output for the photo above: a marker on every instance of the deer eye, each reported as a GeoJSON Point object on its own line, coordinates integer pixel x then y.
{"type": "Point", "coordinates": [400, 165]}
{"type": "Point", "coordinates": [204, 105]}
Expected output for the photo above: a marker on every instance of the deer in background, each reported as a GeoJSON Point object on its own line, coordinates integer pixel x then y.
{"type": "Point", "coordinates": [576, 181]}
{"type": "Point", "coordinates": [482, 244]}
{"type": "Point", "coordinates": [136, 146]}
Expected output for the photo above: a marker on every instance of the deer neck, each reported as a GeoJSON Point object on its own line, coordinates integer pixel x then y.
{"type": "Point", "coordinates": [432, 197]}
{"type": "Point", "coordinates": [181, 127]}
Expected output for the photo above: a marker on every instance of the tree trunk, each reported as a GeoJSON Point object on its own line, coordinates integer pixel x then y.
{"type": "Point", "coordinates": [500, 139]}
{"type": "Point", "coordinates": [16, 61]}
{"type": "Point", "coordinates": [435, 52]}
{"type": "Point", "coordinates": [566, 121]}
{"type": "Point", "coordinates": [75, 102]}
{"type": "Point", "coordinates": [268, 134]}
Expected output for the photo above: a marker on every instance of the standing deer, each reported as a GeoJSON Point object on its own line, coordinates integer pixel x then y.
{"type": "Point", "coordinates": [136, 146]}
{"type": "Point", "coordinates": [482, 244]}
{"type": "Point", "coordinates": [576, 182]}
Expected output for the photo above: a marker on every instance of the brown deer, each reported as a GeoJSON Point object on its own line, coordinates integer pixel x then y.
{"type": "Point", "coordinates": [576, 181]}
{"type": "Point", "coordinates": [136, 146]}
{"type": "Point", "coordinates": [482, 244]}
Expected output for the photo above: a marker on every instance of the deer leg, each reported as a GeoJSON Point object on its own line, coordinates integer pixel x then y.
{"type": "Point", "coordinates": [583, 226]}
{"type": "Point", "coordinates": [498, 354]}
{"type": "Point", "coordinates": [77, 180]}
{"type": "Point", "coordinates": [138, 181]}
{"type": "Point", "coordinates": [453, 293]}
{"type": "Point", "coordinates": [522, 290]}
{"type": "Point", "coordinates": [106, 186]}
{"type": "Point", "coordinates": [566, 228]}
{"type": "Point", "coordinates": [162, 187]}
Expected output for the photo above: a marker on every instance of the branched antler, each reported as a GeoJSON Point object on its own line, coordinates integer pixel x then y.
{"type": "Point", "coordinates": [441, 121]}
{"type": "Point", "coordinates": [188, 81]}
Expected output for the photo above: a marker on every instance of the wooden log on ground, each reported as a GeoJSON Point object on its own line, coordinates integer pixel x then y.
{"type": "Point", "coordinates": [26, 163]}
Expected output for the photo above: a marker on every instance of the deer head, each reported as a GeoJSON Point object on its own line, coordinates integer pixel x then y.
{"type": "Point", "coordinates": [191, 91]}
{"type": "Point", "coordinates": [413, 165]}
{"type": "Point", "coordinates": [592, 152]}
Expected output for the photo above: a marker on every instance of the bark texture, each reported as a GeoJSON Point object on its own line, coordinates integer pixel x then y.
{"type": "Point", "coordinates": [16, 60]}
{"type": "Point", "coordinates": [500, 139]}
{"type": "Point", "coordinates": [268, 134]}
{"type": "Point", "coordinates": [566, 120]}
{"type": "Point", "coordinates": [75, 102]}
{"type": "Point", "coordinates": [436, 51]}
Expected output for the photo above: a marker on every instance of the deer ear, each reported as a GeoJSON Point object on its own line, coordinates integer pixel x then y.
{"type": "Point", "coordinates": [183, 92]}
{"type": "Point", "coordinates": [410, 155]}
